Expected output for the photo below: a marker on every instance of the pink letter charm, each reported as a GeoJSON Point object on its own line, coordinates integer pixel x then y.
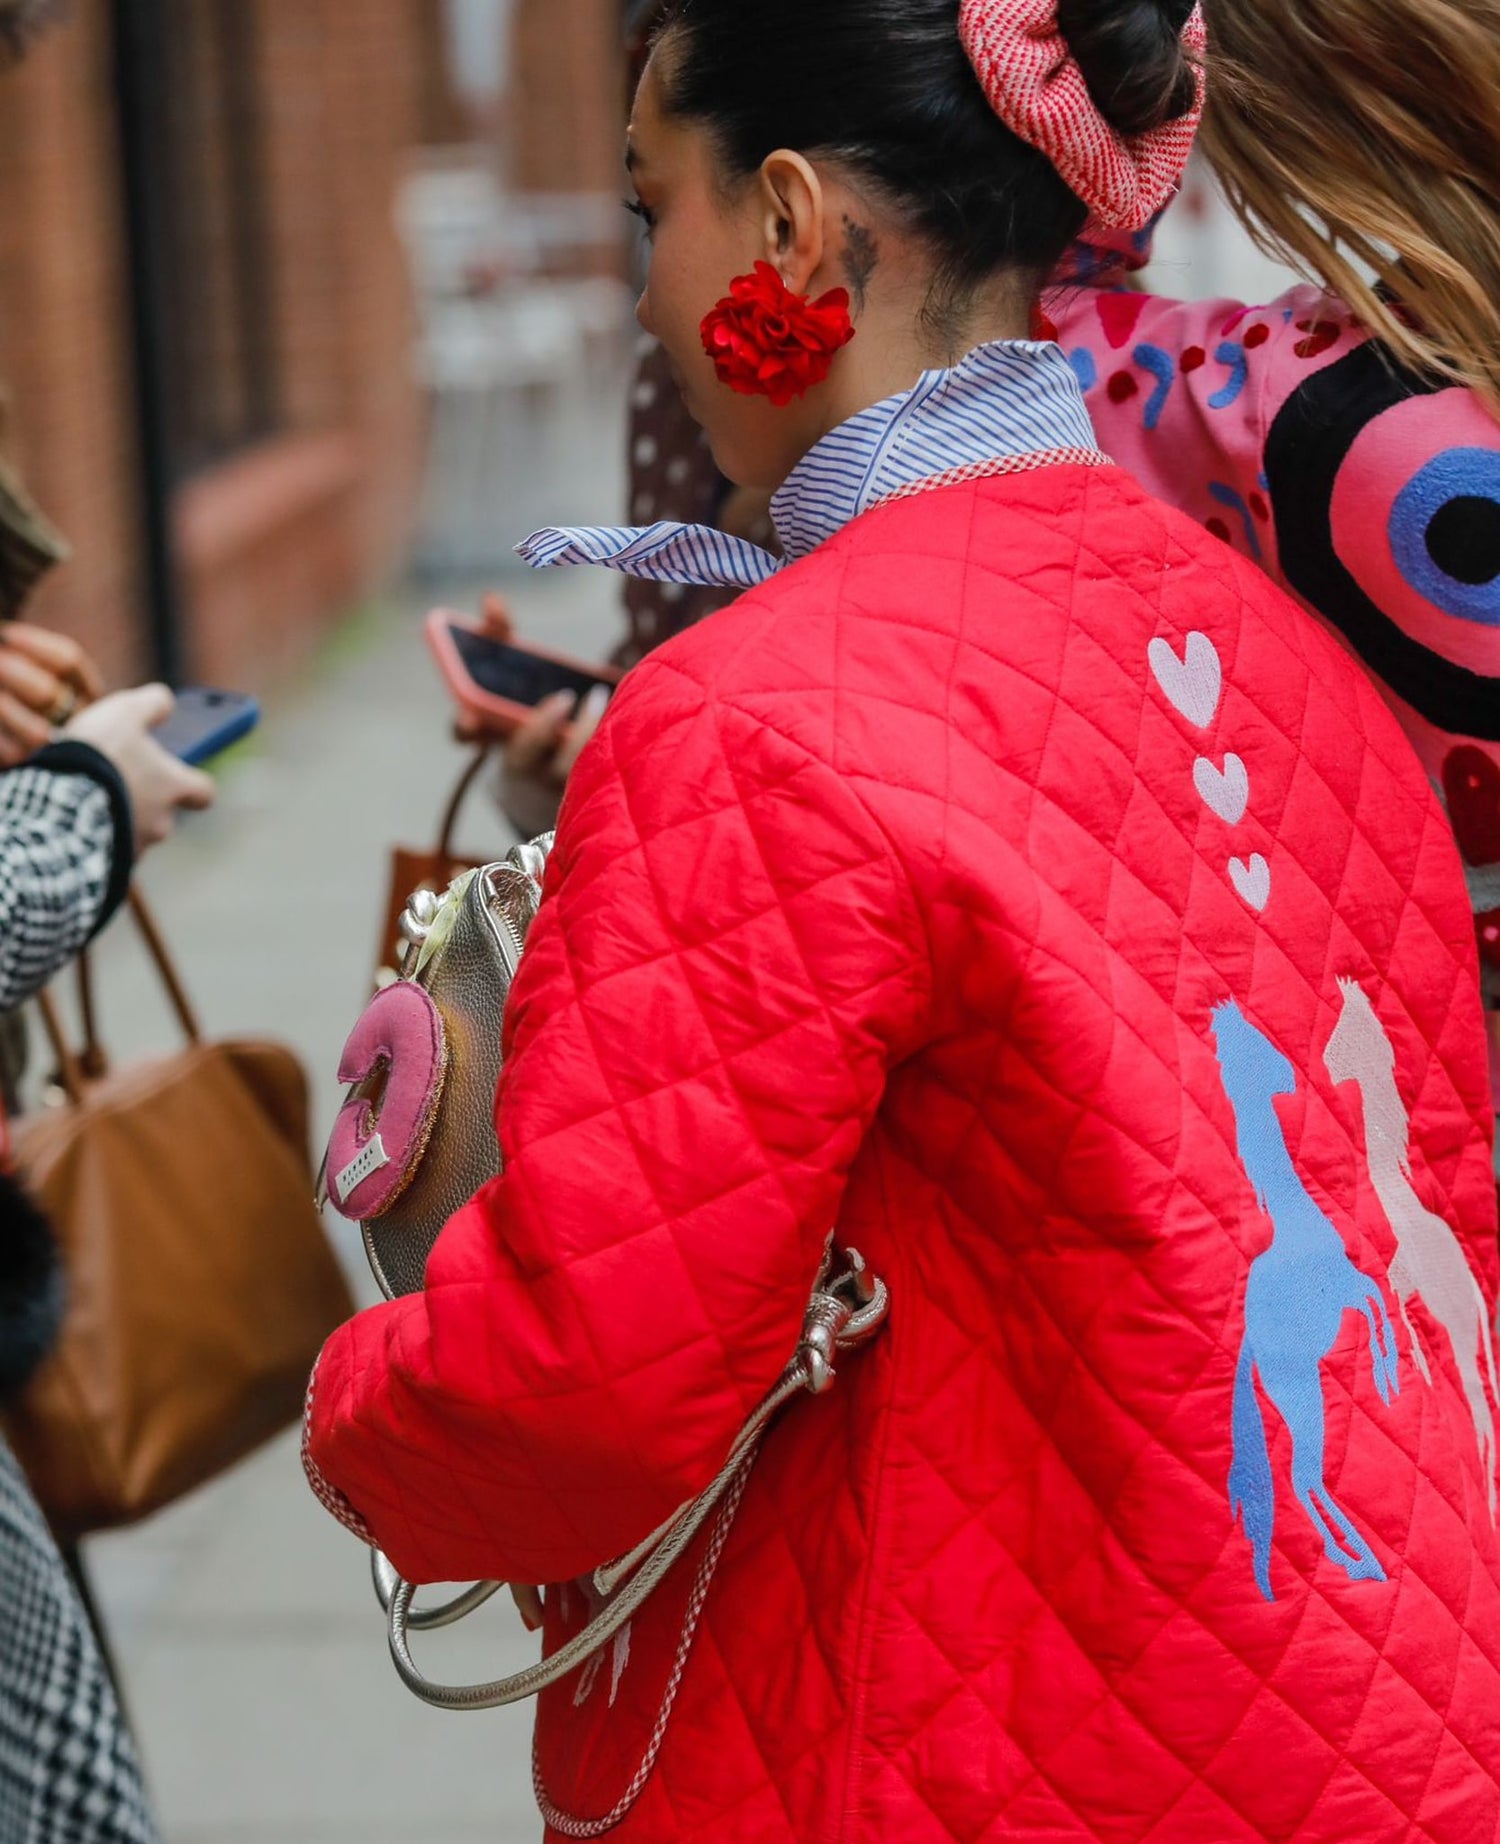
{"type": "Point", "coordinates": [373, 1154]}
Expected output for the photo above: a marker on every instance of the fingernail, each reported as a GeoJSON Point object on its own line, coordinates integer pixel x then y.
{"type": "Point", "coordinates": [560, 703]}
{"type": "Point", "coordinates": [597, 702]}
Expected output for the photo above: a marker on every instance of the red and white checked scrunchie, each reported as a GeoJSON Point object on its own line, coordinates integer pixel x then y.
{"type": "Point", "coordinates": [1036, 87]}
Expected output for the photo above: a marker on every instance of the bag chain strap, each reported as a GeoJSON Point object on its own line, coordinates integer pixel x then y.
{"type": "Point", "coordinates": [847, 1310]}
{"type": "Point", "coordinates": [564, 1822]}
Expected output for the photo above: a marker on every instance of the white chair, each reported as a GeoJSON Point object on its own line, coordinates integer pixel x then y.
{"type": "Point", "coordinates": [521, 364]}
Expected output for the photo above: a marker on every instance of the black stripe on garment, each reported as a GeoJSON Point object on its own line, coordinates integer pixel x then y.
{"type": "Point", "coordinates": [69, 758]}
{"type": "Point", "coordinates": [1309, 442]}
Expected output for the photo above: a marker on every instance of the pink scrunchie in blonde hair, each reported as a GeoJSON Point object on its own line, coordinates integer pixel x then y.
{"type": "Point", "coordinates": [1035, 85]}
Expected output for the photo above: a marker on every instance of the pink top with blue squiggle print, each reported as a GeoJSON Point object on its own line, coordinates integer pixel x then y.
{"type": "Point", "coordinates": [1371, 495]}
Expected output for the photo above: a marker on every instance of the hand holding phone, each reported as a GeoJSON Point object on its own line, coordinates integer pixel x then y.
{"type": "Point", "coordinates": [538, 758]}
{"type": "Point", "coordinates": [204, 723]}
{"type": "Point", "coordinates": [499, 685]}
{"type": "Point", "coordinates": [545, 706]}
{"type": "Point", "coordinates": [123, 728]}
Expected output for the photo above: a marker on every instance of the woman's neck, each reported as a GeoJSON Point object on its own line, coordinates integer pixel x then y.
{"type": "Point", "coordinates": [901, 338]}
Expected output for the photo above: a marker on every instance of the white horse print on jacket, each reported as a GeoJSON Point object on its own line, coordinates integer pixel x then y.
{"type": "Point", "coordinates": [1429, 1261]}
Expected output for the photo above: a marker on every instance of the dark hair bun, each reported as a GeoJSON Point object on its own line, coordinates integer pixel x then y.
{"type": "Point", "coordinates": [887, 88]}
{"type": "Point", "coordinates": [1133, 59]}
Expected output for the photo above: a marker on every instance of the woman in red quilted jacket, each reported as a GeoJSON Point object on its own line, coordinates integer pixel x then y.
{"type": "Point", "coordinates": [1013, 883]}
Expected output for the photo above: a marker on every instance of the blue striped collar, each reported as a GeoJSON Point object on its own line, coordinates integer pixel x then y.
{"type": "Point", "coordinates": [1007, 402]}
{"type": "Point", "coordinates": [1007, 399]}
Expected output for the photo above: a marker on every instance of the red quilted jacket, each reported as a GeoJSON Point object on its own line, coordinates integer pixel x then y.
{"type": "Point", "coordinates": [1023, 885]}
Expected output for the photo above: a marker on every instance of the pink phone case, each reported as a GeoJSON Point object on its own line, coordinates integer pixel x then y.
{"type": "Point", "coordinates": [485, 708]}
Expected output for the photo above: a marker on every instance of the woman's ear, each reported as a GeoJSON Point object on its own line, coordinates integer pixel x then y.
{"type": "Point", "coordinates": [792, 218]}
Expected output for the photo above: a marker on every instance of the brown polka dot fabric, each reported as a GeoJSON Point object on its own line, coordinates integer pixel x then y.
{"type": "Point", "coordinates": [672, 476]}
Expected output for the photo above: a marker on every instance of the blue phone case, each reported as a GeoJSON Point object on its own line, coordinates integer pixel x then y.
{"type": "Point", "coordinates": [206, 723]}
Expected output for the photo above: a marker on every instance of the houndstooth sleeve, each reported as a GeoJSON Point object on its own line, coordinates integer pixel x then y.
{"type": "Point", "coordinates": [65, 856]}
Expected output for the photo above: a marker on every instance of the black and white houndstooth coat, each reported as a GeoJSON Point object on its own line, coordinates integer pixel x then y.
{"type": "Point", "coordinates": [68, 1772]}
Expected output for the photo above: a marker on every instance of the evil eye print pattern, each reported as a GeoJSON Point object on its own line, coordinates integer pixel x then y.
{"type": "Point", "coordinates": [1445, 533]}
{"type": "Point", "coordinates": [1386, 495]}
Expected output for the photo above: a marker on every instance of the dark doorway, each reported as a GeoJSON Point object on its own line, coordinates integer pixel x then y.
{"type": "Point", "coordinates": [188, 96]}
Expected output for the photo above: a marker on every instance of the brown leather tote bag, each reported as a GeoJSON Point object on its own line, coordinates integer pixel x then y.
{"type": "Point", "coordinates": [200, 1283]}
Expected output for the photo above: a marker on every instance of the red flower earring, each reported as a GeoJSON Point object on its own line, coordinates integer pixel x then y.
{"type": "Point", "coordinates": [766, 341]}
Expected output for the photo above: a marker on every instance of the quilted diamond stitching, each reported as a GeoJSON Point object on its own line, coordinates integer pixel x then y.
{"type": "Point", "coordinates": [821, 709]}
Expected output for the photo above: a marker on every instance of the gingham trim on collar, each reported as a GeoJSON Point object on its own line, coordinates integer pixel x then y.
{"type": "Point", "coordinates": [1001, 464]}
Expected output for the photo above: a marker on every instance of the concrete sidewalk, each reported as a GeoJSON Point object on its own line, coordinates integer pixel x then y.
{"type": "Point", "coordinates": [252, 1649]}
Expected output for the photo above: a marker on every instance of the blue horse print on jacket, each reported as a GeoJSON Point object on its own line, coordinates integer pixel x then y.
{"type": "Point", "coordinates": [1295, 1300]}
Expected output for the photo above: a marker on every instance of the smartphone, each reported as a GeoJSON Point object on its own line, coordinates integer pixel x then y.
{"type": "Point", "coordinates": [499, 683]}
{"type": "Point", "coordinates": [205, 723]}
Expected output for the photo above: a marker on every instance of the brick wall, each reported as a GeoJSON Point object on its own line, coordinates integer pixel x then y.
{"type": "Point", "coordinates": [63, 358]}
{"type": "Point", "coordinates": [568, 103]}
{"type": "Point", "coordinates": [277, 540]}
{"type": "Point", "coordinates": [445, 117]}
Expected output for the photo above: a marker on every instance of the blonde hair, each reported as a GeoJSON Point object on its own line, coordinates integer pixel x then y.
{"type": "Point", "coordinates": [1358, 136]}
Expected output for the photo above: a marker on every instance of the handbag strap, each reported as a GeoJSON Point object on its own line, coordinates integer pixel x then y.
{"type": "Point", "coordinates": [166, 965]}
{"type": "Point", "coordinates": [565, 1823]}
{"type": "Point", "coordinates": [69, 1069]}
{"type": "Point", "coordinates": [460, 794]}
{"type": "Point", "coordinates": [88, 1064]}
{"type": "Point", "coordinates": [848, 1308]}
{"type": "Point", "coordinates": [609, 1620]}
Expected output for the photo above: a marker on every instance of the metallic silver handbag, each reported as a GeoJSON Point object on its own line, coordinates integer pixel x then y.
{"type": "Point", "coordinates": [462, 951]}
{"type": "Point", "coordinates": [415, 1140]}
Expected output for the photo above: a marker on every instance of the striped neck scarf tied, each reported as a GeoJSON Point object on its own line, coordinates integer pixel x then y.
{"type": "Point", "coordinates": [1007, 403]}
